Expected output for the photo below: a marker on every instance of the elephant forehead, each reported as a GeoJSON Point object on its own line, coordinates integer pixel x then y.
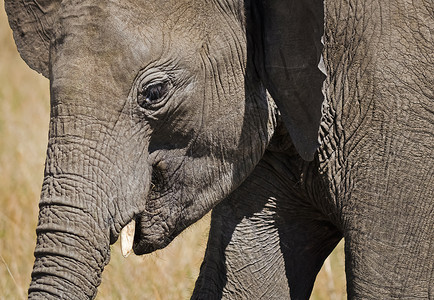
{"type": "Point", "coordinates": [106, 23]}
{"type": "Point", "coordinates": [126, 36]}
{"type": "Point", "coordinates": [104, 28]}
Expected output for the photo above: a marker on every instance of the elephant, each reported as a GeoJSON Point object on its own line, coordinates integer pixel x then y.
{"type": "Point", "coordinates": [298, 123]}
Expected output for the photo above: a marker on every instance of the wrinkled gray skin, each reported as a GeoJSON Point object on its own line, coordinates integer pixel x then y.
{"type": "Point", "coordinates": [159, 111]}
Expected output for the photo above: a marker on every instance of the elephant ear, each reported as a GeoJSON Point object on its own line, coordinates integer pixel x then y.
{"type": "Point", "coordinates": [291, 44]}
{"type": "Point", "coordinates": [32, 23]}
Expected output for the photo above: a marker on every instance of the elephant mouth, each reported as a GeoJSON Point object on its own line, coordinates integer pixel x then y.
{"type": "Point", "coordinates": [135, 236]}
{"type": "Point", "coordinates": [132, 239]}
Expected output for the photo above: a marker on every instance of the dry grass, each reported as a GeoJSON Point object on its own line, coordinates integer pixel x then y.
{"type": "Point", "coordinates": [24, 116]}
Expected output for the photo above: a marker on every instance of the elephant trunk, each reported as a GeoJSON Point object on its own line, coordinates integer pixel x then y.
{"type": "Point", "coordinates": [96, 178]}
{"type": "Point", "coordinates": [70, 254]}
{"type": "Point", "coordinates": [87, 197]}
{"type": "Point", "coordinates": [74, 227]}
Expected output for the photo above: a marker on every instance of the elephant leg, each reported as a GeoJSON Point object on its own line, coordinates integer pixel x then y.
{"type": "Point", "coordinates": [389, 246]}
{"type": "Point", "coordinates": [267, 240]}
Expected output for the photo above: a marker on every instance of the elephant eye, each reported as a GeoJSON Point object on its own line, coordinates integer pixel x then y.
{"type": "Point", "coordinates": [152, 94]}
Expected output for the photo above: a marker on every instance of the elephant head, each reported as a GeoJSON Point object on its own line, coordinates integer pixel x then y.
{"type": "Point", "coordinates": [159, 109]}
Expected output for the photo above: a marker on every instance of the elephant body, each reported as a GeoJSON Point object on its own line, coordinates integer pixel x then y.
{"type": "Point", "coordinates": [299, 123]}
{"type": "Point", "coordinates": [371, 181]}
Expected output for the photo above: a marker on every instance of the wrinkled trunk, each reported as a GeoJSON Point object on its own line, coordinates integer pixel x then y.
{"type": "Point", "coordinates": [73, 232]}
{"type": "Point", "coordinates": [90, 192]}
{"type": "Point", "coordinates": [71, 253]}
{"type": "Point", "coordinates": [82, 211]}
{"type": "Point", "coordinates": [96, 177]}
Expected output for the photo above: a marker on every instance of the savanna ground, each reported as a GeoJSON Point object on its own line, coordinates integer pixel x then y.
{"type": "Point", "coordinates": [167, 274]}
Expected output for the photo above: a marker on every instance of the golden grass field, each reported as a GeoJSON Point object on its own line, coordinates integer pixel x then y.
{"type": "Point", "coordinates": [166, 274]}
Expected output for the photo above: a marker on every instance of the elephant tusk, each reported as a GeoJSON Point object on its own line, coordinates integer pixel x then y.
{"type": "Point", "coordinates": [127, 238]}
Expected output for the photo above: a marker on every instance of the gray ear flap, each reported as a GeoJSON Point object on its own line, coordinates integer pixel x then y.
{"type": "Point", "coordinates": [32, 22]}
{"type": "Point", "coordinates": [291, 45]}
